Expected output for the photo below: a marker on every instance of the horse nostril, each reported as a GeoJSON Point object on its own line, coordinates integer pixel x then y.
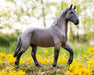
{"type": "Point", "coordinates": [77, 20]}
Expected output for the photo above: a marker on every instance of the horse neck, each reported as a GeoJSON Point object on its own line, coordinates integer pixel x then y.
{"type": "Point", "coordinates": [63, 25]}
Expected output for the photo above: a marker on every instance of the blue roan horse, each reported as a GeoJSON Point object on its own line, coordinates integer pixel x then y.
{"type": "Point", "coordinates": [54, 36]}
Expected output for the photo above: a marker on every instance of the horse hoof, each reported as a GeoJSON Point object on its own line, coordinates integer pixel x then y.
{"type": "Point", "coordinates": [70, 61]}
{"type": "Point", "coordinates": [54, 65]}
{"type": "Point", "coordinates": [16, 66]}
{"type": "Point", "coordinates": [15, 54]}
{"type": "Point", "coordinates": [38, 65]}
{"type": "Point", "coordinates": [16, 63]}
{"type": "Point", "coordinates": [58, 66]}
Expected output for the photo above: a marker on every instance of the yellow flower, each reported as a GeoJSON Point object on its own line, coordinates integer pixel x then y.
{"type": "Point", "coordinates": [21, 72]}
{"type": "Point", "coordinates": [11, 68]}
{"type": "Point", "coordinates": [11, 60]}
{"type": "Point", "coordinates": [84, 56]}
{"type": "Point", "coordinates": [45, 51]}
{"type": "Point", "coordinates": [50, 61]}
{"type": "Point", "coordinates": [85, 71]}
{"type": "Point", "coordinates": [11, 71]}
{"type": "Point", "coordinates": [51, 56]}
{"type": "Point", "coordinates": [60, 57]}
{"type": "Point", "coordinates": [76, 72]}
{"type": "Point", "coordinates": [21, 61]}
{"type": "Point", "coordinates": [3, 63]}
{"type": "Point", "coordinates": [78, 60]}
{"type": "Point", "coordinates": [68, 72]}
{"type": "Point", "coordinates": [91, 50]}
{"type": "Point", "coordinates": [61, 60]}
{"type": "Point", "coordinates": [39, 57]}
{"type": "Point", "coordinates": [0, 63]}
{"type": "Point", "coordinates": [45, 61]}
{"type": "Point", "coordinates": [2, 72]}
{"type": "Point", "coordinates": [2, 56]}
{"type": "Point", "coordinates": [9, 56]}
{"type": "Point", "coordinates": [90, 63]}
{"type": "Point", "coordinates": [64, 56]}
{"type": "Point", "coordinates": [29, 60]}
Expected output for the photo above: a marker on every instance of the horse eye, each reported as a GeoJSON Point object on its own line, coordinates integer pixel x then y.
{"type": "Point", "coordinates": [71, 12]}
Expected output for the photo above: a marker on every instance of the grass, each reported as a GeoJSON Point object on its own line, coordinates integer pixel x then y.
{"type": "Point", "coordinates": [31, 69]}
{"type": "Point", "coordinates": [46, 69]}
{"type": "Point", "coordinates": [78, 49]}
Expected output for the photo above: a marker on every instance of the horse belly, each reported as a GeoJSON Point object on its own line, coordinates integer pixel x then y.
{"type": "Point", "coordinates": [42, 40]}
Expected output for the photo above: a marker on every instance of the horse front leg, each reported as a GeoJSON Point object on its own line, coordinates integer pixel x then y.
{"type": "Point", "coordinates": [56, 54]}
{"type": "Point", "coordinates": [34, 50]}
{"type": "Point", "coordinates": [68, 48]}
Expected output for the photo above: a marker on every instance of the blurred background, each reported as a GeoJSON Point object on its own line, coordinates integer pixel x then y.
{"type": "Point", "coordinates": [17, 15]}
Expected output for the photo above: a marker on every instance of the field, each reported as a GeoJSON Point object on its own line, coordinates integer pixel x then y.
{"type": "Point", "coordinates": [83, 63]}
{"type": "Point", "coordinates": [63, 17]}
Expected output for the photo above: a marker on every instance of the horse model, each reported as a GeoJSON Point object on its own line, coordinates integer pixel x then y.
{"type": "Point", "coordinates": [53, 36]}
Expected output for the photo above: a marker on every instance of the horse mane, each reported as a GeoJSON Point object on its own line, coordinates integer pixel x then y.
{"type": "Point", "coordinates": [63, 12]}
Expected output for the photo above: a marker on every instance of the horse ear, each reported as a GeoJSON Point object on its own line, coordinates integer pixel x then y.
{"type": "Point", "coordinates": [75, 7]}
{"type": "Point", "coordinates": [70, 6]}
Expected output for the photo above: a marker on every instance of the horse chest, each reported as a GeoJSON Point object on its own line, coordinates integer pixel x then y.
{"type": "Point", "coordinates": [62, 36]}
{"type": "Point", "coordinates": [65, 38]}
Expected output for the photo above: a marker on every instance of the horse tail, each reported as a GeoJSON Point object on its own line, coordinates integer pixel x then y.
{"type": "Point", "coordinates": [18, 46]}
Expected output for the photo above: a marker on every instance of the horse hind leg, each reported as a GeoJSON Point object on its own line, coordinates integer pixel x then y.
{"type": "Point", "coordinates": [34, 50]}
{"type": "Point", "coordinates": [19, 54]}
{"type": "Point", "coordinates": [18, 46]}
{"type": "Point", "coordinates": [25, 43]}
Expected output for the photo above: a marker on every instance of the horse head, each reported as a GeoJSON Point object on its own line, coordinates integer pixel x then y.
{"type": "Point", "coordinates": [71, 15]}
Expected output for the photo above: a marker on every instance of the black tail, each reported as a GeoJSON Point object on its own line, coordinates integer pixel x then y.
{"type": "Point", "coordinates": [18, 46]}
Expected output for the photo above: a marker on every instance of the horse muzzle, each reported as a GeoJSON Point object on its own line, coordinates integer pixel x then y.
{"type": "Point", "coordinates": [76, 22]}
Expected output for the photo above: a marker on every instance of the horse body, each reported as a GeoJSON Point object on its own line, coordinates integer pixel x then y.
{"type": "Point", "coordinates": [56, 36]}
{"type": "Point", "coordinates": [43, 37]}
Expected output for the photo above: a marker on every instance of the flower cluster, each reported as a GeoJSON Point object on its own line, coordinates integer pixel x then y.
{"type": "Point", "coordinates": [11, 71]}
{"type": "Point", "coordinates": [47, 61]}
{"type": "Point", "coordinates": [91, 50]}
{"type": "Point", "coordinates": [83, 65]}
{"type": "Point", "coordinates": [8, 60]}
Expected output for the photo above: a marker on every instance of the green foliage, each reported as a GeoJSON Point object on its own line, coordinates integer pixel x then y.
{"type": "Point", "coordinates": [6, 39]}
{"type": "Point", "coordinates": [61, 6]}
{"type": "Point", "coordinates": [8, 26]}
{"type": "Point", "coordinates": [87, 36]}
